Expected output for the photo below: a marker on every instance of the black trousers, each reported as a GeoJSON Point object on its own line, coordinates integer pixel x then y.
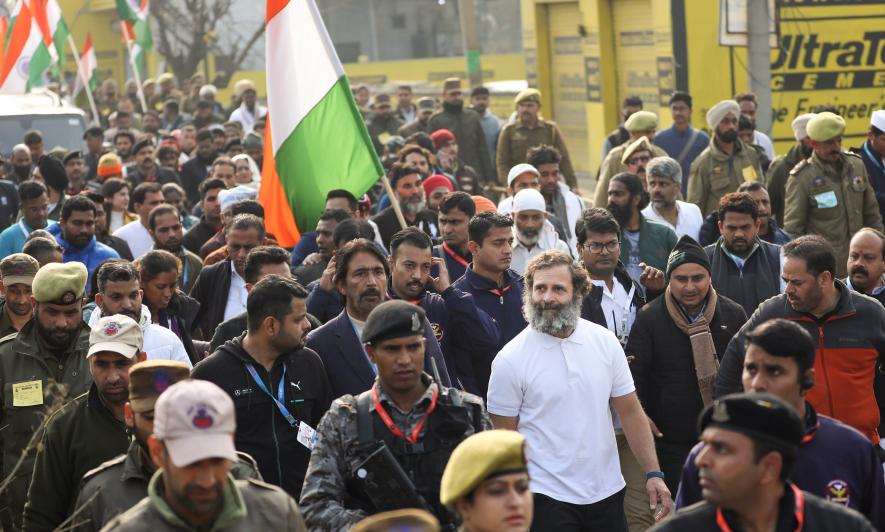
{"type": "Point", "coordinates": [606, 515]}
{"type": "Point", "coordinates": [672, 458]}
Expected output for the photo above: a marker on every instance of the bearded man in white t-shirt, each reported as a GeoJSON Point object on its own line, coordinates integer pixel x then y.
{"type": "Point", "coordinates": [554, 383]}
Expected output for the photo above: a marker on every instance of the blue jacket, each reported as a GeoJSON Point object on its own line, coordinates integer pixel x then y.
{"type": "Point", "coordinates": [835, 462]}
{"type": "Point", "coordinates": [347, 363]}
{"type": "Point", "coordinates": [306, 245]}
{"type": "Point", "coordinates": [505, 308]}
{"type": "Point", "coordinates": [91, 256]}
{"type": "Point", "coordinates": [463, 332]}
{"type": "Point", "coordinates": [876, 171]}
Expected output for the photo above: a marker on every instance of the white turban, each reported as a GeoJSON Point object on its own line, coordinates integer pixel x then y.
{"type": "Point", "coordinates": [719, 111]}
{"type": "Point", "coordinates": [799, 124]}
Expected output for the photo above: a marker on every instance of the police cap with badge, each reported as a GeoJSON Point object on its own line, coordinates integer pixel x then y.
{"type": "Point", "coordinates": [59, 284]}
{"type": "Point", "coordinates": [393, 319]}
{"type": "Point", "coordinates": [760, 416]}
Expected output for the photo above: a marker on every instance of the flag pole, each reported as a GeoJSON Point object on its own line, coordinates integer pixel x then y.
{"type": "Point", "coordinates": [135, 72]}
{"type": "Point", "coordinates": [95, 118]}
{"type": "Point", "coordinates": [394, 202]}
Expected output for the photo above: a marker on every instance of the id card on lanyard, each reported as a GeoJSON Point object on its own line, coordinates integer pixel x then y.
{"type": "Point", "coordinates": [306, 434]}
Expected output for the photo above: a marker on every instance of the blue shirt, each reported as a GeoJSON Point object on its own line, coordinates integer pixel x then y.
{"type": "Point", "coordinates": [674, 141]}
{"type": "Point", "coordinates": [13, 238]}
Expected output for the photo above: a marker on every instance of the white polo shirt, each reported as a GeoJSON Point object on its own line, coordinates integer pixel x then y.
{"type": "Point", "coordinates": [137, 236]}
{"type": "Point", "coordinates": [560, 390]}
{"type": "Point", "coordinates": [688, 222]}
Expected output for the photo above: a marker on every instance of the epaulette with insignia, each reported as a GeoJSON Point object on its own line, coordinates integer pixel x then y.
{"type": "Point", "coordinates": [105, 465]}
{"type": "Point", "coordinates": [799, 166]}
{"type": "Point", "coordinates": [851, 153]}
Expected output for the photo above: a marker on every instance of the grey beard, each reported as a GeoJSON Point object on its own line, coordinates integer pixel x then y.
{"type": "Point", "coordinates": [529, 240]}
{"type": "Point", "coordinates": [562, 321]}
{"type": "Point", "coordinates": [411, 208]}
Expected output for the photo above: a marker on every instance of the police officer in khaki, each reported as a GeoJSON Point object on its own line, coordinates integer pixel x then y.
{"type": "Point", "coordinates": [87, 430]}
{"type": "Point", "coordinates": [725, 163]}
{"type": "Point", "coordinates": [640, 124]}
{"type": "Point", "coordinates": [529, 131]}
{"type": "Point", "coordinates": [830, 194]}
{"type": "Point", "coordinates": [118, 484]}
{"type": "Point", "coordinates": [42, 366]}
{"type": "Point", "coordinates": [193, 449]}
{"type": "Point", "coordinates": [17, 273]}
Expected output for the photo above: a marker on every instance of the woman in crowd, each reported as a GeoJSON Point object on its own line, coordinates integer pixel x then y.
{"type": "Point", "coordinates": [116, 195]}
{"type": "Point", "coordinates": [247, 173]}
{"type": "Point", "coordinates": [169, 306]}
{"type": "Point", "coordinates": [486, 481]}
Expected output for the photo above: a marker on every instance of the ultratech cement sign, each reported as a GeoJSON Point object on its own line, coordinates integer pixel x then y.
{"type": "Point", "coordinates": [828, 56]}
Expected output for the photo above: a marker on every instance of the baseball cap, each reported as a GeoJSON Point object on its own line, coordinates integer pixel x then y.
{"type": "Point", "coordinates": [148, 379]}
{"type": "Point", "coordinates": [118, 334]}
{"type": "Point", "coordinates": [18, 268]}
{"type": "Point", "coordinates": [195, 420]}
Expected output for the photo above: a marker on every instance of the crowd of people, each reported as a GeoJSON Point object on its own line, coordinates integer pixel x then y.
{"type": "Point", "coordinates": [696, 345]}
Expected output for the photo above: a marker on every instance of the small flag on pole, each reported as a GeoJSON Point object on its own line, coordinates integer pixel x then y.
{"type": "Point", "coordinates": [88, 67]}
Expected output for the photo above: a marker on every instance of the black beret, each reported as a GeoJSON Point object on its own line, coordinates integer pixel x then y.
{"type": "Point", "coordinates": [761, 416]}
{"type": "Point", "coordinates": [53, 172]}
{"type": "Point", "coordinates": [141, 144]}
{"type": "Point", "coordinates": [393, 319]}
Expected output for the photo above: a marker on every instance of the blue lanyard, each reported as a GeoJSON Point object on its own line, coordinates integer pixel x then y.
{"type": "Point", "coordinates": [873, 157]}
{"type": "Point", "coordinates": [185, 274]}
{"type": "Point", "coordinates": [281, 394]}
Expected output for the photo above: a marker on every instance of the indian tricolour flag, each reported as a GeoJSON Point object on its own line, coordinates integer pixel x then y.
{"type": "Point", "coordinates": [134, 14]}
{"type": "Point", "coordinates": [88, 68]}
{"type": "Point", "coordinates": [50, 53]}
{"type": "Point", "coordinates": [23, 40]}
{"type": "Point", "coordinates": [316, 134]}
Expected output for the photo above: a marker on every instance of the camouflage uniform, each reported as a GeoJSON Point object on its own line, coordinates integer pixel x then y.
{"type": "Point", "coordinates": [118, 484]}
{"type": "Point", "coordinates": [326, 501]}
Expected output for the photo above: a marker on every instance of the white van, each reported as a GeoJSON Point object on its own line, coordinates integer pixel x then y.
{"type": "Point", "coordinates": [42, 110]}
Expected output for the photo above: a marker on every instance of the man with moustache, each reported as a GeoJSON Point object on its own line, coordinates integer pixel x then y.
{"type": "Point", "coordinates": [642, 240]}
{"type": "Point", "coordinates": [119, 292]}
{"type": "Point", "coordinates": [17, 273]}
{"type": "Point", "coordinates": [779, 170]}
{"type": "Point", "coordinates": [849, 327]}
{"type": "Point", "coordinates": [192, 447]}
{"type": "Point", "coordinates": [744, 268]}
{"type": "Point", "coordinates": [386, 422]}
{"type": "Point", "coordinates": [466, 125]}
{"type": "Point", "coordinates": [725, 164]}
{"type": "Point", "coordinates": [455, 211]}
{"type": "Point", "coordinates": [44, 364]}
{"type": "Point", "coordinates": [405, 179]}
{"type": "Point", "coordinates": [526, 393]}
{"type": "Point", "coordinates": [33, 202]}
{"type": "Point", "coordinates": [21, 163]}
{"type": "Point", "coordinates": [561, 202]}
{"type": "Point", "coordinates": [676, 341]}
{"type": "Point", "coordinates": [830, 193]}
{"type": "Point", "coordinates": [164, 225]}
{"type": "Point", "coordinates": [663, 176]}
{"type": "Point", "coordinates": [361, 277]}
{"type": "Point", "coordinates": [88, 430]}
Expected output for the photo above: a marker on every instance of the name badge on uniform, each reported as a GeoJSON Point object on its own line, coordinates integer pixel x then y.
{"type": "Point", "coordinates": [826, 200]}
{"type": "Point", "coordinates": [749, 173]}
{"type": "Point", "coordinates": [307, 436]}
{"type": "Point", "coordinates": [28, 393]}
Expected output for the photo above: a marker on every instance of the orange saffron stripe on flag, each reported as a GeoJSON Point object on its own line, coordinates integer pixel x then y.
{"type": "Point", "coordinates": [21, 31]}
{"type": "Point", "coordinates": [4, 27]}
{"type": "Point", "coordinates": [278, 218]}
{"type": "Point", "coordinates": [275, 6]}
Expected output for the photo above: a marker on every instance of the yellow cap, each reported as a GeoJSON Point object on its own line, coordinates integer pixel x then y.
{"type": "Point", "coordinates": [527, 95]}
{"type": "Point", "coordinates": [411, 519]}
{"type": "Point", "coordinates": [642, 143]}
{"type": "Point", "coordinates": [61, 284]}
{"type": "Point", "coordinates": [641, 121]}
{"type": "Point", "coordinates": [479, 457]}
{"type": "Point", "coordinates": [825, 126]}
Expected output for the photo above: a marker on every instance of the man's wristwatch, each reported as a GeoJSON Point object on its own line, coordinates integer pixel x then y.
{"type": "Point", "coordinates": [654, 474]}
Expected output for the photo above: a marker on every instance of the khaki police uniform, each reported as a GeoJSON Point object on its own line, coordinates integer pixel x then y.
{"type": "Point", "coordinates": [715, 173]}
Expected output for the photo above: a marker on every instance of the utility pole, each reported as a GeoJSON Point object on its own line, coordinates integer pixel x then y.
{"type": "Point", "coordinates": [467, 12]}
{"type": "Point", "coordinates": [760, 60]}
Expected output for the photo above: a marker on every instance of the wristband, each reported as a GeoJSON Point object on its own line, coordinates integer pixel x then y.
{"type": "Point", "coordinates": [654, 474]}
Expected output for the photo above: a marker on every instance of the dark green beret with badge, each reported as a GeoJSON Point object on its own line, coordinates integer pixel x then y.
{"type": "Point", "coordinates": [61, 284]}
{"type": "Point", "coordinates": [393, 319]}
